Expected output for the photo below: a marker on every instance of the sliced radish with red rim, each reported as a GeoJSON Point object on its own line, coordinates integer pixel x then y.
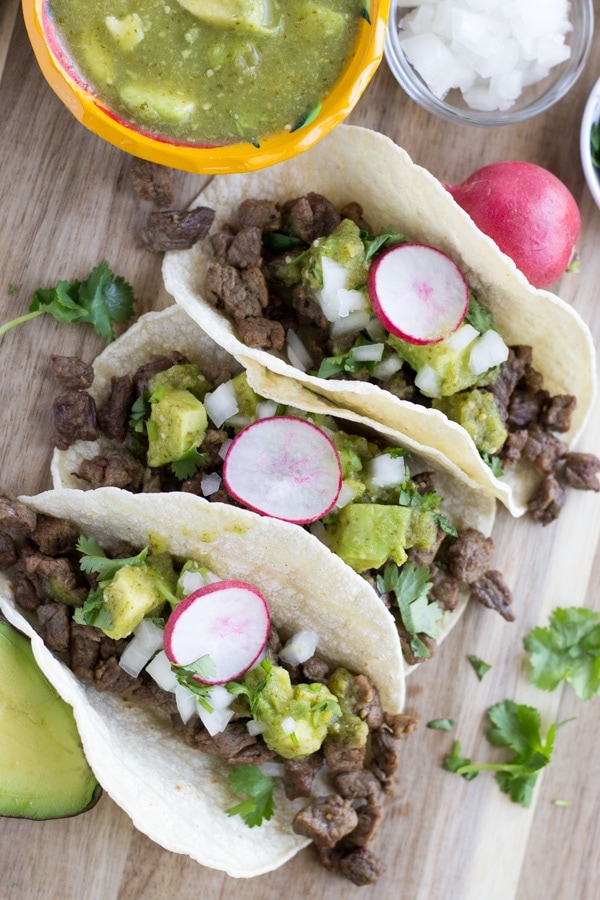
{"type": "Point", "coordinates": [284, 467]}
{"type": "Point", "coordinates": [418, 293]}
{"type": "Point", "coordinates": [227, 621]}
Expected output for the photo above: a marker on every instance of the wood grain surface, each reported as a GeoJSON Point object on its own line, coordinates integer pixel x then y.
{"type": "Point", "coordinates": [66, 204]}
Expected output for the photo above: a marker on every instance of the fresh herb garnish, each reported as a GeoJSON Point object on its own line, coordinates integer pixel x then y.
{"type": "Point", "coordinates": [93, 612]}
{"type": "Point", "coordinates": [410, 585]}
{"type": "Point", "coordinates": [441, 724]}
{"type": "Point", "coordinates": [203, 668]}
{"type": "Point", "coordinates": [374, 243]}
{"type": "Point", "coordinates": [94, 559]}
{"type": "Point", "coordinates": [277, 242]}
{"type": "Point", "coordinates": [478, 316]}
{"type": "Point", "coordinates": [516, 727]}
{"type": "Point", "coordinates": [100, 300]}
{"type": "Point", "coordinates": [253, 694]}
{"type": "Point", "coordinates": [479, 666]}
{"type": "Point", "coordinates": [493, 462]}
{"type": "Point", "coordinates": [186, 465]}
{"type": "Point", "coordinates": [259, 806]}
{"type": "Point", "coordinates": [567, 650]}
{"type": "Point", "coordinates": [139, 413]}
{"type": "Point", "coordinates": [454, 761]}
{"type": "Point", "coordinates": [410, 496]}
{"type": "Point", "coordinates": [346, 362]}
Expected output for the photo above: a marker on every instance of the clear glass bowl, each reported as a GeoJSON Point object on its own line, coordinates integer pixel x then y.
{"type": "Point", "coordinates": [535, 99]}
{"type": "Point", "coordinates": [591, 115]}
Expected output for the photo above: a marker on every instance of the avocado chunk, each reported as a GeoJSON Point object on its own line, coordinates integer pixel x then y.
{"type": "Point", "coordinates": [43, 771]}
{"type": "Point", "coordinates": [366, 535]}
{"type": "Point", "coordinates": [349, 728]}
{"type": "Point", "coordinates": [478, 413]}
{"type": "Point", "coordinates": [177, 423]}
{"type": "Point", "coordinates": [131, 595]}
{"type": "Point", "coordinates": [250, 15]}
{"type": "Point", "coordinates": [186, 377]}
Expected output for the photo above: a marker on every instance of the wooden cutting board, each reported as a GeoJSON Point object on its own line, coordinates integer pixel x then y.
{"type": "Point", "coordinates": [66, 204]}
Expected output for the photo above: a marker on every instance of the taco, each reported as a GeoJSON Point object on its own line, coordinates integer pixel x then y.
{"type": "Point", "coordinates": [421, 518]}
{"type": "Point", "coordinates": [94, 567]}
{"type": "Point", "coordinates": [490, 394]}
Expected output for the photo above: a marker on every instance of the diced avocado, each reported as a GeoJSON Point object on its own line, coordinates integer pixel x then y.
{"type": "Point", "coordinates": [345, 247]}
{"type": "Point", "coordinates": [178, 421]}
{"type": "Point", "coordinates": [245, 396]}
{"type": "Point", "coordinates": [131, 596]}
{"type": "Point", "coordinates": [318, 18]}
{"type": "Point", "coordinates": [252, 15]}
{"type": "Point", "coordinates": [452, 366]}
{"type": "Point", "coordinates": [349, 728]}
{"type": "Point", "coordinates": [187, 377]}
{"type": "Point", "coordinates": [353, 451]}
{"type": "Point", "coordinates": [127, 31]}
{"type": "Point", "coordinates": [43, 771]}
{"type": "Point", "coordinates": [153, 103]}
{"type": "Point", "coordinates": [366, 535]}
{"type": "Point", "coordinates": [478, 413]}
{"type": "Point", "coordinates": [311, 706]}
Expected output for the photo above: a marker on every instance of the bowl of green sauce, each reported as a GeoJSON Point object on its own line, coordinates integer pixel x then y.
{"type": "Point", "coordinates": [589, 144]}
{"type": "Point", "coordinates": [211, 86]}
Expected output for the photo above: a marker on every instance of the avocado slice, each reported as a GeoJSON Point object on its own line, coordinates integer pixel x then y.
{"type": "Point", "coordinates": [43, 771]}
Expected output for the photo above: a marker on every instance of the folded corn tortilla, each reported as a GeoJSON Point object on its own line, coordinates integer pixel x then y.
{"type": "Point", "coordinates": [466, 504]}
{"type": "Point", "coordinates": [356, 164]}
{"type": "Point", "coordinates": [174, 794]}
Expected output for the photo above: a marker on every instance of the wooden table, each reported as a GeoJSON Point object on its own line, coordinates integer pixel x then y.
{"type": "Point", "coordinates": [66, 205]}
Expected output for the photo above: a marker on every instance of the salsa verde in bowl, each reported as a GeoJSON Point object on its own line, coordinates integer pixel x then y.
{"type": "Point", "coordinates": [211, 87]}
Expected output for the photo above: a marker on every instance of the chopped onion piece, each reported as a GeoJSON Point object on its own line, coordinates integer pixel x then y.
{"type": "Point", "coordinates": [387, 471]}
{"type": "Point", "coordinates": [375, 330]}
{"type": "Point", "coordinates": [253, 727]}
{"type": "Point", "coordinates": [186, 702]}
{"type": "Point", "coordinates": [368, 352]}
{"type": "Point", "coordinates": [288, 725]}
{"type": "Point", "coordinates": [224, 448]}
{"type": "Point", "coordinates": [210, 484]}
{"type": "Point", "coordinates": [346, 496]}
{"type": "Point", "coordinates": [297, 352]}
{"type": "Point", "coordinates": [299, 648]}
{"type": "Point", "coordinates": [388, 367]}
{"type": "Point", "coordinates": [461, 338]}
{"type": "Point", "coordinates": [489, 350]}
{"type": "Point", "coordinates": [428, 381]}
{"type": "Point", "coordinates": [318, 530]}
{"type": "Point", "coordinates": [272, 769]}
{"type": "Point", "coordinates": [147, 639]}
{"type": "Point", "coordinates": [265, 409]}
{"type": "Point", "coordinates": [215, 721]}
{"type": "Point", "coordinates": [356, 321]}
{"type": "Point", "coordinates": [160, 669]}
{"type": "Point", "coordinates": [238, 421]}
{"type": "Point", "coordinates": [350, 301]}
{"type": "Point", "coordinates": [220, 697]}
{"type": "Point", "coordinates": [335, 277]}
{"type": "Point", "coordinates": [221, 403]}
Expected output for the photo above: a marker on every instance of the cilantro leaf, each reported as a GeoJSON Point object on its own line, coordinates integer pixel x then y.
{"type": "Point", "coordinates": [410, 585]}
{"type": "Point", "coordinates": [568, 649]}
{"type": "Point", "coordinates": [138, 413]}
{"type": "Point", "coordinates": [374, 243]}
{"type": "Point", "coordinates": [346, 362]}
{"type": "Point", "coordinates": [441, 724]}
{"type": "Point", "coordinates": [478, 316]}
{"type": "Point", "coordinates": [94, 559]}
{"type": "Point", "coordinates": [100, 300]}
{"type": "Point", "coordinates": [493, 462]}
{"type": "Point", "coordinates": [203, 668]}
{"type": "Point", "coordinates": [454, 761]}
{"type": "Point", "coordinates": [479, 666]}
{"type": "Point", "coordinates": [93, 612]}
{"type": "Point", "coordinates": [278, 242]}
{"type": "Point", "coordinates": [246, 779]}
{"type": "Point", "coordinates": [186, 465]}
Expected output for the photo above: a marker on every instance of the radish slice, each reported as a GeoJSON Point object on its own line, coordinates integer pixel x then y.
{"type": "Point", "coordinates": [227, 621]}
{"type": "Point", "coordinates": [284, 467]}
{"type": "Point", "coordinates": [418, 293]}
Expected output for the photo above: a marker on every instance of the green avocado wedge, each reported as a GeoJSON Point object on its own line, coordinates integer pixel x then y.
{"type": "Point", "coordinates": [43, 771]}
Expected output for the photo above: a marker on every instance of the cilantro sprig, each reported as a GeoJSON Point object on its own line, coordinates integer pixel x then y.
{"type": "Point", "coordinates": [259, 805]}
{"type": "Point", "coordinates": [203, 668]}
{"type": "Point", "coordinates": [98, 301]}
{"type": "Point", "coordinates": [480, 667]}
{"type": "Point", "coordinates": [94, 559]}
{"type": "Point", "coordinates": [186, 465]}
{"type": "Point", "coordinates": [374, 243]}
{"type": "Point", "coordinates": [410, 496]}
{"type": "Point", "coordinates": [567, 650]}
{"type": "Point", "coordinates": [411, 585]}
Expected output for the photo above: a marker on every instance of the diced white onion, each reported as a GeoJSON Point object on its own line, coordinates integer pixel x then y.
{"type": "Point", "coordinates": [220, 697]}
{"type": "Point", "coordinates": [350, 301]}
{"type": "Point", "coordinates": [345, 496]}
{"type": "Point", "coordinates": [160, 669]}
{"type": "Point", "coordinates": [300, 647]}
{"type": "Point", "coordinates": [368, 352]}
{"type": "Point", "coordinates": [318, 530]}
{"type": "Point", "coordinates": [356, 321]}
{"type": "Point", "coordinates": [488, 350]}
{"type": "Point", "coordinates": [335, 277]}
{"type": "Point", "coordinates": [221, 403]}
{"type": "Point", "coordinates": [215, 721]}
{"type": "Point", "coordinates": [272, 769]}
{"type": "Point", "coordinates": [461, 338]}
{"type": "Point", "coordinates": [210, 484]}
{"type": "Point", "coordinates": [387, 367]}
{"type": "Point", "coordinates": [265, 409]}
{"type": "Point", "coordinates": [147, 639]}
{"type": "Point", "coordinates": [428, 381]}
{"type": "Point", "coordinates": [297, 353]}
{"type": "Point", "coordinates": [375, 330]}
{"type": "Point", "coordinates": [387, 471]}
{"type": "Point", "coordinates": [253, 727]}
{"type": "Point", "coordinates": [238, 421]}
{"type": "Point", "coordinates": [225, 447]}
{"type": "Point", "coordinates": [288, 725]}
{"type": "Point", "coordinates": [186, 703]}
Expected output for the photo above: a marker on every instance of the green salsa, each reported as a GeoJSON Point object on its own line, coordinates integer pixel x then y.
{"type": "Point", "coordinates": [210, 71]}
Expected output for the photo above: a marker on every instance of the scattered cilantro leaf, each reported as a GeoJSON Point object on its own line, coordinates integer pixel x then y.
{"type": "Point", "coordinates": [493, 462]}
{"type": "Point", "coordinates": [138, 414]}
{"type": "Point", "coordinates": [12, 288]}
{"type": "Point", "coordinates": [253, 694]}
{"type": "Point", "coordinates": [186, 465]}
{"type": "Point", "coordinates": [441, 724]}
{"type": "Point", "coordinates": [568, 649]}
{"type": "Point", "coordinates": [346, 362]}
{"type": "Point", "coordinates": [454, 761]}
{"type": "Point", "coordinates": [479, 665]}
{"type": "Point", "coordinates": [374, 243]}
{"type": "Point", "coordinates": [203, 668]}
{"type": "Point", "coordinates": [478, 316]}
{"type": "Point", "coordinates": [93, 612]}
{"type": "Point", "coordinates": [99, 301]}
{"type": "Point", "coordinates": [410, 585]}
{"type": "Point", "coordinates": [94, 559]}
{"type": "Point", "coordinates": [595, 144]}
{"type": "Point", "coordinates": [277, 242]}
{"type": "Point", "coordinates": [246, 779]}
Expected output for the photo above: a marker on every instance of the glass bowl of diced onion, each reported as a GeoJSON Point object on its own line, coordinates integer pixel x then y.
{"type": "Point", "coordinates": [488, 62]}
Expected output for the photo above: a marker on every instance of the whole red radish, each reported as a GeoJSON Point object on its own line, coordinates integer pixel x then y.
{"type": "Point", "coordinates": [528, 212]}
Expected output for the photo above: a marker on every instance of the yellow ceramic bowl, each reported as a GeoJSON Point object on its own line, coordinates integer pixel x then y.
{"type": "Point", "coordinates": [242, 157]}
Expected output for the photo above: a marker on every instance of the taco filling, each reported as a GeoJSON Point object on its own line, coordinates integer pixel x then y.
{"type": "Point", "coordinates": [300, 278]}
{"type": "Point", "coordinates": [167, 428]}
{"type": "Point", "coordinates": [169, 634]}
